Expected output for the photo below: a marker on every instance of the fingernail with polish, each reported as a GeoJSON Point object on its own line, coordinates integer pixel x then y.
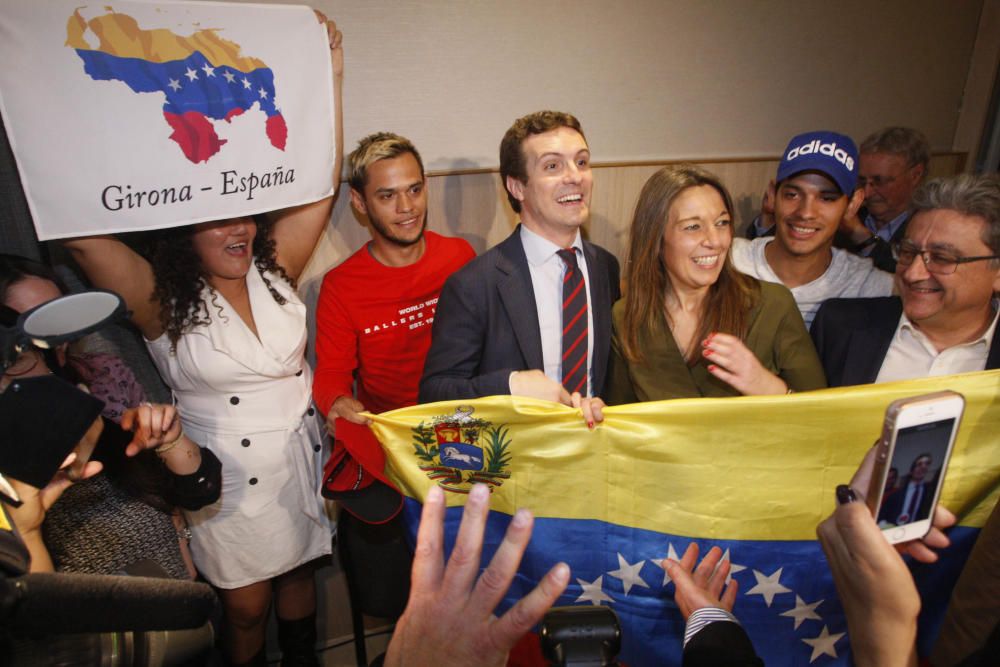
{"type": "Point", "coordinates": [845, 494]}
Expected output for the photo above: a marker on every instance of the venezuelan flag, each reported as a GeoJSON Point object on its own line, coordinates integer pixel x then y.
{"type": "Point", "coordinates": [203, 77]}
{"type": "Point", "coordinates": [753, 475]}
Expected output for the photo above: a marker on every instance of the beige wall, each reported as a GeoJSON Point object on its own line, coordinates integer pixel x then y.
{"type": "Point", "coordinates": [652, 79]}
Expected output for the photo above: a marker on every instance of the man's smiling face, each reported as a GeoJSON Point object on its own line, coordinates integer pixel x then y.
{"type": "Point", "coordinates": [555, 199]}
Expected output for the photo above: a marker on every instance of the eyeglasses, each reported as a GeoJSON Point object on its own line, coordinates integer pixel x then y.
{"type": "Point", "coordinates": [879, 182]}
{"type": "Point", "coordinates": [876, 181]}
{"type": "Point", "coordinates": [936, 261]}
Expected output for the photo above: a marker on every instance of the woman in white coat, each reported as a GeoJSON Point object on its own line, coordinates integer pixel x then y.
{"type": "Point", "coordinates": [216, 303]}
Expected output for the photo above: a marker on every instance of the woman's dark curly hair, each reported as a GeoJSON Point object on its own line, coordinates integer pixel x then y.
{"type": "Point", "coordinates": [180, 277]}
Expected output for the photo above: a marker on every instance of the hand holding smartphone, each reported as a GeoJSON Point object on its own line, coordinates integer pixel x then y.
{"type": "Point", "coordinates": [910, 463]}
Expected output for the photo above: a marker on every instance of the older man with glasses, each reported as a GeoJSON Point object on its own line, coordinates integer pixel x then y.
{"type": "Point", "coordinates": [891, 165]}
{"type": "Point", "coordinates": [944, 320]}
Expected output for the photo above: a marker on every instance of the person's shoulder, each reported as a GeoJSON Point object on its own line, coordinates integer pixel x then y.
{"type": "Point", "coordinates": [479, 266]}
{"type": "Point", "coordinates": [857, 313]}
{"type": "Point", "coordinates": [846, 260]}
{"type": "Point", "coordinates": [742, 244]}
{"type": "Point", "coordinates": [618, 311]}
{"type": "Point", "coordinates": [442, 241]}
{"type": "Point", "coordinates": [360, 260]}
{"type": "Point", "coordinates": [774, 291]}
{"type": "Point", "coordinates": [454, 247]}
{"type": "Point", "coordinates": [859, 273]}
{"type": "Point", "coordinates": [743, 252]}
{"type": "Point", "coordinates": [775, 297]}
{"type": "Point", "coordinates": [606, 260]}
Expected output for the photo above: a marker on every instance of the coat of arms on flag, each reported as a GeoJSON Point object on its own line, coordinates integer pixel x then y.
{"type": "Point", "coordinates": [752, 475]}
{"type": "Point", "coordinates": [154, 114]}
{"type": "Point", "coordinates": [460, 450]}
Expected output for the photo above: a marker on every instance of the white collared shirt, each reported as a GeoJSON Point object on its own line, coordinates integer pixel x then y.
{"type": "Point", "coordinates": [912, 355]}
{"type": "Point", "coordinates": [547, 271]}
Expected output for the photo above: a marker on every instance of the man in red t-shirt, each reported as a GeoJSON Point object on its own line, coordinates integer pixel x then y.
{"type": "Point", "coordinates": [373, 320]}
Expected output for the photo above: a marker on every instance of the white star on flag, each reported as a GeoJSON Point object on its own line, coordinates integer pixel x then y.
{"type": "Point", "coordinates": [823, 644]}
{"type": "Point", "coordinates": [175, 84]}
{"type": "Point", "coordinates": [629, 574]}
{"type": "Point", "coordinates": [671, 553]}
{"type": "Point", "coordinates": [803, 611]}
{"type": "Point", "coordinates": [229, 77]}
{"type": "Point", "coordinates": [191, 74]}
{"type": "Point", "coordinates": [246, 84]}
{"type": "Point", "coordinates": [733, 567]}
{"type": "Point", "coordinates": [263, 93]}
{"type": "Point", "coordinates": [593, 592]}
{"type": "Point", "coordinates": [209, 71]}
{"type": "Point", "coordinates": [768, 586]}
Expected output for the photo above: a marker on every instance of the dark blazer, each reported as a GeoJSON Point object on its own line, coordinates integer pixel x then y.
{"type": "Point", "coordinates": [486, 323]}
{"type": "Point", "coordinates": [892, 505]}
{"type": "Point", "coordinates": [852, 337]}
{"type": "Point", "coordinates": [721, 643]}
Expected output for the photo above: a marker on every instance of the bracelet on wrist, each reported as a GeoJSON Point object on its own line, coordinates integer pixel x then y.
{"type": "Point", "coordinates": [167, 446]}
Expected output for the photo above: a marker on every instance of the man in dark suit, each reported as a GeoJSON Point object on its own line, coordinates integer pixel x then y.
{"type": "Point", "coordinates": [911, 501]}
{"type": "Point", "coordinates": [945, 318]}
{"type": "Point", "coordinates": [504, 324]}
{"type": "Point", "coordinates": [891, 165]}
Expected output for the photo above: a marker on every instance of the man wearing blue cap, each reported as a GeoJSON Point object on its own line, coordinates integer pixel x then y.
{"type": "Point", "coordinates": [815, 189]}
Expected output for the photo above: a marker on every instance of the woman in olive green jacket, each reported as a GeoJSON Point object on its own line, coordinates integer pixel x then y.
{"type": "Point", "coordinates": [689, 324]}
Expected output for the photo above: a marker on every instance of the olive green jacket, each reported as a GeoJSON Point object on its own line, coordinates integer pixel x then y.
{"type": "Point", "coordinates": [776, 335]}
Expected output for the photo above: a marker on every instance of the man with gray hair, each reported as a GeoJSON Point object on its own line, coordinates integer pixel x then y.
{"type": "Point", "coordinates": [944, 320]}
{"type": "Point", "coordinates": [891, 165]}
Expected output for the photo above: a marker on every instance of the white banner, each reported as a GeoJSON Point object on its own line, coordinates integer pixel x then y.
{"type": "Point", "coordinates": [144, 115]}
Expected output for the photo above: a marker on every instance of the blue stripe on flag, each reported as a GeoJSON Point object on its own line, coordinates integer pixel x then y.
{"type": "Point", "coordinates": [213, 95]}
{"type": "Point", "coordinates": [787, 600]}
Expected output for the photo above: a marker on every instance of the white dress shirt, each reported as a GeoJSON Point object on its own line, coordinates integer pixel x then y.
{"type": "Point", "coordinates": [912, 355]}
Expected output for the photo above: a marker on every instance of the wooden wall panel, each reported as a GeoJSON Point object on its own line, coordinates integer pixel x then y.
{"type": "Point", "coordinates": [473, 206]}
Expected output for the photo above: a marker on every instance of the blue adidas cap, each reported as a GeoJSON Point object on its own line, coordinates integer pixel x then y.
{"type": "Point", "coordinates": [827, 152]}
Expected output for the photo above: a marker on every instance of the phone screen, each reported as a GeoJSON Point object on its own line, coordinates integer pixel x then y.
{"type": "Point", "coordinates": [914, 473]}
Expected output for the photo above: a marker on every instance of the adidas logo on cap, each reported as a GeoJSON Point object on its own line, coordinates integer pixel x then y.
{"type": "Point", "coordinates": [830, 149]}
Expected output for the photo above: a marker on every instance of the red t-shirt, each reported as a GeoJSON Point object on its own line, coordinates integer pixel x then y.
{"type": "Point", "coordinates": [375, 320]}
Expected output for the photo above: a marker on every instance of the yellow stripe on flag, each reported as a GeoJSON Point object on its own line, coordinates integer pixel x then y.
{"type": "Point", "coordinates": [751, 468]}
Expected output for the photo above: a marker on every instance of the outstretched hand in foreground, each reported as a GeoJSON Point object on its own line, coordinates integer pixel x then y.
{"type": "Point", "coordinates": [450, 610]}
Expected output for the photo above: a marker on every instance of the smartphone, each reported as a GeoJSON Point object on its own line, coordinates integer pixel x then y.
{"type": "Point", "coordinates": [910, 462]}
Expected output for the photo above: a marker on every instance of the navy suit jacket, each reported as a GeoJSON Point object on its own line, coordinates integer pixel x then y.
{"type": "Point", "coordinates": [852, 337]}
{"type": "Point", "coordinates": [486, 323]}
{"type": "Point", "coordinates": [892, 505]}
{"type": "Point", "coordinates": [721, 644]}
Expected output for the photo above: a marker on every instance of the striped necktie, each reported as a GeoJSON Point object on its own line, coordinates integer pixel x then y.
{"type": "Point", "coordinates": [574, 318]}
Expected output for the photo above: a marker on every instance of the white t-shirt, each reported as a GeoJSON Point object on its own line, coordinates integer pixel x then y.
{"type": "Point", "coordinates": [847, 277]}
